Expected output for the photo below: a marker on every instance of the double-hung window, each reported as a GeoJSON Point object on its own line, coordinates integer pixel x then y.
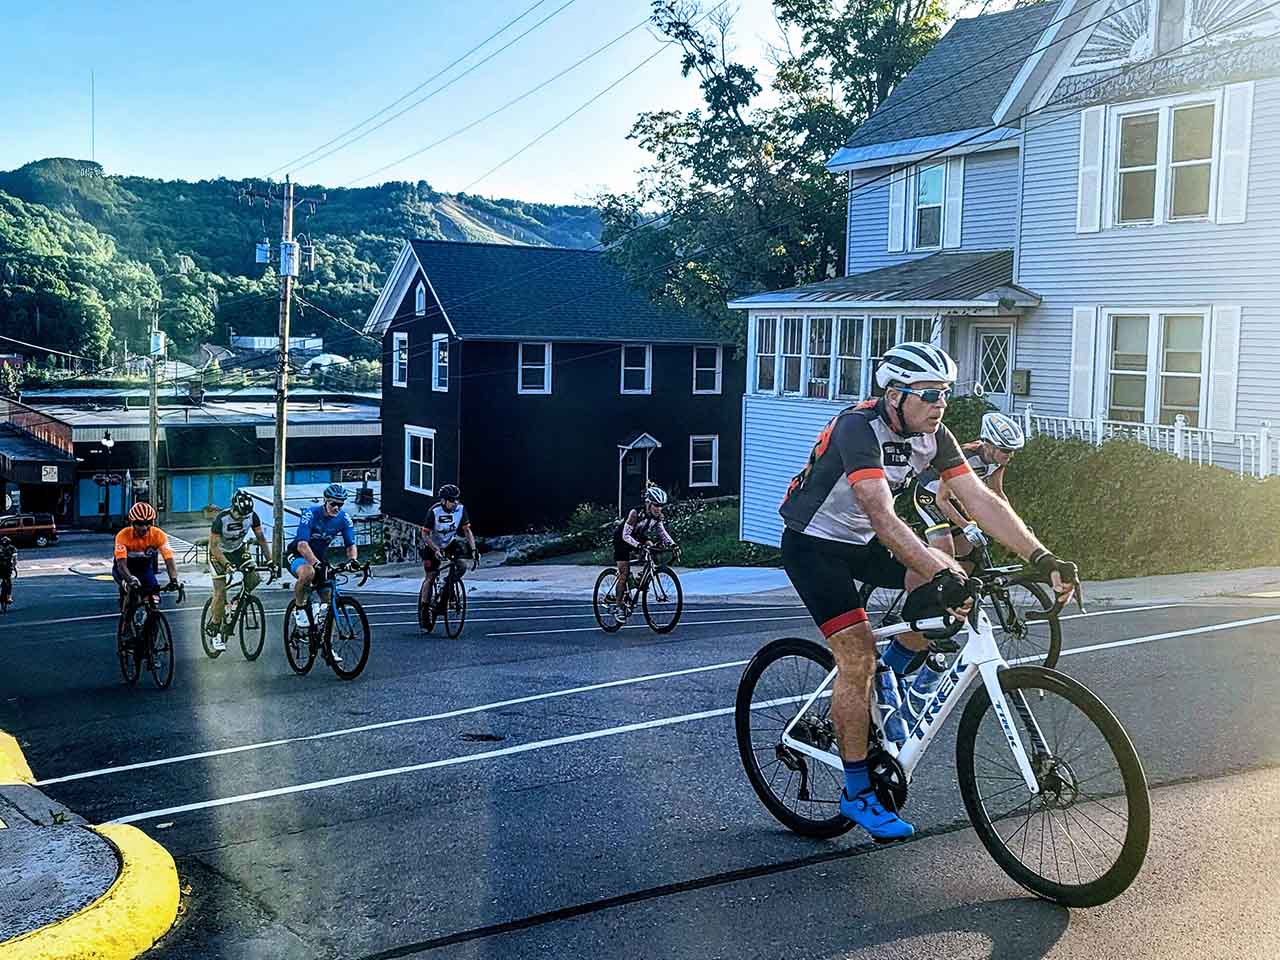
{"type": "Point", "coordinates": [400, 359]}
{"type": "Point", "coordinates": [419, 459]}
{"type": "Point", "coordinates": [792, 355]}
{"type": "Point", "coordinates": [440, 362]}
{"type": "Point", "coordinates": [637, 368]}
{"type": "Point", "coordinates": [1156, 365]}
{"type": "Point", "coordinates": [849, 358]}
{"type": "Point", "coordinates": [1164, 162]}
{"type": "Point", "coordinates": [708, 369]}
{"type": "Point", "coordinates": [818, 358]}
{"type": "Point", "coordinates": [766, 354]}
{"type": "Point", "coordinates": [534, 373]}
{"type": "Point", "coordinates": [704, 461]}
{"type": "Point", "coordinates": [930, 186]}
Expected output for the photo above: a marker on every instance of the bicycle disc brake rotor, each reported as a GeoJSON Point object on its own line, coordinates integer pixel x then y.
{"type": "Point", "coordinates": [1059, 786]}
{"type": "Point", "coordinates": [888, 780]}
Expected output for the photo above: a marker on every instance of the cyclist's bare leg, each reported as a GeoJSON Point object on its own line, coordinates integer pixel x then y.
{"type": "Point", "coordinates": [306, 573]}
{"type": "Point", "coordinates": [218, 602]}
{"type": "Point", "coordinates": [624, 572]}
{"type": "Point", "coordinates": [855, 652]}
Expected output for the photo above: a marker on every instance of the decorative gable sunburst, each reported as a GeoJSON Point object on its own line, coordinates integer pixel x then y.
{"type": "Point", "coordinates": [1233, 17]}
{"type": "Point", "coordinates": [1121, 36]}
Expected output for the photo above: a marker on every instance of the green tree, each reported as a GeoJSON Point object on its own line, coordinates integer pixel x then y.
{"type": "Point", "coordinates": [10, 381]}
{"type": "Point", "coordinates": [737, 198]}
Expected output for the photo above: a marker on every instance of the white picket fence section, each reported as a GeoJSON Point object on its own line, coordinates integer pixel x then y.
{"type": "Point", "coordinates": [1248, 454]}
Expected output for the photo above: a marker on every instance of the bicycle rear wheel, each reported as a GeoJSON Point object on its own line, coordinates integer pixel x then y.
{"type": "Point", "coordinates": [205, 639]}
{"type": "Point", "coordinates": [455, 608]}
{"type": "Point", "coordinates": [126, 653]}
{"type": "Point", "coordinates": [160, 639]}
{"type": "Point", "coordinates": [1035, 642]}
{"type": "Point", "coordinates": [663, 600]}
{"type": "Point", "coordinates": [801, 792]}
{"type": "Point", "coordinates": [298, 648]}
{"type": "Point", "coordinates": [346, 633]}
{"type": "Point", "coordinates": [252, 627]}
{"type": "Point", "coordinates": [1081, 841]}
{"type": "Point", "coordinates": [604, 601]}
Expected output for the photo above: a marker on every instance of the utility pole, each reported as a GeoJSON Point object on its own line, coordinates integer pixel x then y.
{"type": "Point", "coordinates": [290, 262]}
{"type": "Point", "coordinates": [155, 348]}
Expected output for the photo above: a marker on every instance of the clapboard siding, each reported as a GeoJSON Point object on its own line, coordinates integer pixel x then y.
{"type": "Point", "coordinates": [988, 222]}
{"type": "Point", "coordinates": [1186, 264]}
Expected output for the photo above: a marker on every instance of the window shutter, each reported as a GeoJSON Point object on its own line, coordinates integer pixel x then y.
{"type": "Point", "coordinates": [1224, 361]}
{"type": "Point", "coordinates": [1084, 324]}
{"type": "Point", "coordinates": [897, 210]}
{"type": "Point", "coordinates": [1233, 167]}
{"type": "Point", "coordinates": [953, 211]}
{"type": "Point", "coordinates": [1089, 185]}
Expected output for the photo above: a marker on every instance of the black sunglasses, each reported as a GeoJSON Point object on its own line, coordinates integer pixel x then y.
{"type": "Point", "coordinates": [931, 395]}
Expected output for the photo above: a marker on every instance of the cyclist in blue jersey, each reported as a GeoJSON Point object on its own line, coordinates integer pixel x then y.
{"type": "Point", "coordinates": [317, 528]}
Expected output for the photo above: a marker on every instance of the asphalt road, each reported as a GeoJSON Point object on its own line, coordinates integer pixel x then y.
{"type": "Point", "coordinates": [537, 788]}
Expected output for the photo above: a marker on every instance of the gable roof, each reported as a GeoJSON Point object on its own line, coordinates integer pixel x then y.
{"type": "Point", "coordinates": [927, 103]}
{"type": "Point", "coordinates": [493, 291]}
{"type": "Point", "coordinates": [953, 277]}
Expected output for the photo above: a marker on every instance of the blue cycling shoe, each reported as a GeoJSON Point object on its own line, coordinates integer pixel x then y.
{"type": "Point", "coordinates": [866, 811]}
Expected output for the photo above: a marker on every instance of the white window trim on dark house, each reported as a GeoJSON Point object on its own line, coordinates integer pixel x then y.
{"type": "Point", "coordinates": [624, 369]}
{"type": "Point", "coordinates": [544, 365]}
{"type": "Point", "coordinates": [420, 300]}
{"type": "Point", "coordinates": [421, 433]}
{"type": "Point", "coordinates": [834, 359]}
{"type": "Point", "coordinates": [400, 359]}
{"type": "Point", "coordinates": [440, 362]}
{"type": "Point", "coordinates": [719, 370]}
{"type": "Point", "coordinates": [714, 440]}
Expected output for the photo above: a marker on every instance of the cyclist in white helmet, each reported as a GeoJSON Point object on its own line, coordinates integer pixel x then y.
{"type": "Point", "coordinates": [642, 525]}
{"type": "Point", "coordinates": [840, 526]}
{"type": "Point", "coordinates": [947, 526]}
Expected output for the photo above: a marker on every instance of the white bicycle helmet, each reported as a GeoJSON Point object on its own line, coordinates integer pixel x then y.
{"type": "Point", "coordinates": [911, 363]}
{"type": "Point", "coordinates": [655, 495]}
{"type": "Point", "coordinates": [1002, 431]}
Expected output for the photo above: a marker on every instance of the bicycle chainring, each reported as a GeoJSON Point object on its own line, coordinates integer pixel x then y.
{"type": "Point", "coordinates": [888, 780]}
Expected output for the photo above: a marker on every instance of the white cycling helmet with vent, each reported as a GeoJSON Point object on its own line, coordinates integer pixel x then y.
{"type": "Point", "coordinates": [655, 495]}
{"type": "Point", "coordinates": [1002, 431]}
{"type": "Point", "coordinates": [911, 363]}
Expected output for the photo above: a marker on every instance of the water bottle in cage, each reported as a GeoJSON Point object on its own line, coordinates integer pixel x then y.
{"type": "Point", "coordinates": [889, 704]}
{"type": "Point", "coordinates": [921, 689]}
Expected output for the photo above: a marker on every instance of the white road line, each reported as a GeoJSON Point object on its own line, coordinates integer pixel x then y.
{"type": "Point", "coordinates": [582, 737]}
{"type": "Point", "coordinates": [641, 626]}
{"type": "Point", "coordinates": [746, 608]}
{"type": "Point", "coordinates": [385, 724]}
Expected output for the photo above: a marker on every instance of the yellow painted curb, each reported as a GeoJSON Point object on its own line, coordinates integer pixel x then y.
{"type": "Point", "coordinates": [136, 911]}
{"type": "Point", "coordinates": [13, 765]}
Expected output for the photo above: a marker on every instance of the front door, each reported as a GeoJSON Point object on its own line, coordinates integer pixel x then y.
{"type": "Point", "coordinates": [993, 357]}
{"type": "Point", "coordinates": [634, 476]}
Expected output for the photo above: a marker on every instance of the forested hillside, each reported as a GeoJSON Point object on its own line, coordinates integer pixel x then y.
{"type": "Point", "coordinates": [85, 258]}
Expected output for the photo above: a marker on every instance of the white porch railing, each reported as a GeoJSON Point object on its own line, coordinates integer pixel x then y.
{"type": "Point", "coordinates": [1249, 454]}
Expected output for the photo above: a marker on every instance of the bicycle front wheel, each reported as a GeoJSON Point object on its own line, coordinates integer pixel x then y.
{"type": "Point", "coordinates": [604, 601]}
{"type": "Point", "coordinates": [1081, 841]}
{"type": "Point", "coordinates": [801, 792]}
{"type": "Point", "coordinates": [427, 612]}
{"type": "Point", "coordinates": [663, 599]}
{"type": "Point", "coordinates": [253, 628]}
{"type": "Point", "coordinates": [347, 638]}
{"type": "Point", "coordinates": [160, 639]}
{"type": "Point", "coordinates": [126, 653]}
{"type": "Point", "coordinates": [455, 608]}
{"type": "Point", "coordinates": [298, 648]}
{"type": "Point", "coordinates": [1035, 642]}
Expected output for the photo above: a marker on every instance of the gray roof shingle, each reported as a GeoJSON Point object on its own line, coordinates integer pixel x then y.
{"type": "Point", "coordinates": [947, 276]}
{"type": "Point", "coordinates": [507, 292]}
{"type": "Point", "coordinates": [925, 103]}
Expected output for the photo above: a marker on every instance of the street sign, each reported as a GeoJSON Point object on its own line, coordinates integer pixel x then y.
{"type": "Point", "coordinates": [48, 474]}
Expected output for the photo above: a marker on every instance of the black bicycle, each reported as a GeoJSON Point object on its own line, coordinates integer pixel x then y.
{"type": "Point", "coordinates": [143, 636]}
{"type": "Point", "coordinates": [337, 627]}
{"type": "Point", "coordinates": [447, 602]}
{"type": "Point", "coordinates": [6, 593]}
{"type": "Point", "coordinates": [656, 589]}
{"type": "Point", "coordinates": [243, 614]}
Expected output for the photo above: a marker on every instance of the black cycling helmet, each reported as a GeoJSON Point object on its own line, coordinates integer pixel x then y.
{"type": "Point", "coordinates": [5, 542]}
{"type": "Point", "coordinates": [450, 491]}
{"type": "Point", "coordinates": [241, 504]}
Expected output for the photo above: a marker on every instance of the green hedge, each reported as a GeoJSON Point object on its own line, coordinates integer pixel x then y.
{"type": "Point", "coordinates": [1123, 510]}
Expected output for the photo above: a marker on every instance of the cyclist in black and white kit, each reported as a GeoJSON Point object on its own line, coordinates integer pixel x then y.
{"type": "Point", "coordinates": [840, 526]}
{"type": "Point", "coordinates": [641, 525]}
{"type": "Point", "coordinates": [947, 525]}
{"type": "Point", "coordinates": [444, 521]}
{"type": "Point", "coordinates": [229, 550]}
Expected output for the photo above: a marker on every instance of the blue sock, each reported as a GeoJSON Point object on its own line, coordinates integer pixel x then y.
{"type": "Point", "coordinates": [856, 778]}
{"type": "Point", "coordinates": [897, 657]}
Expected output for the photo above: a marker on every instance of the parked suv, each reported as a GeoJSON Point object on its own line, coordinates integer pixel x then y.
{"type": "Point", "coordinates": [29, 529]}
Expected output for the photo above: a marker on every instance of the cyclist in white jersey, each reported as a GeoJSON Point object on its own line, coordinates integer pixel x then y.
{"type": "Point", "coordinates": [229, 550]}
{"type": "Point", "coordinates": [444, 521]}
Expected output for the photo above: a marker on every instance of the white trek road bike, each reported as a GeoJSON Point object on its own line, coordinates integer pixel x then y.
{"type": "Point", "coordinates": [1057, 794]}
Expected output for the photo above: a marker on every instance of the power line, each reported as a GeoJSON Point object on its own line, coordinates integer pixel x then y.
{"type": "Point", "coordinates": [445, 86]}
{"type": "Point", "coordinates": [46, 349]}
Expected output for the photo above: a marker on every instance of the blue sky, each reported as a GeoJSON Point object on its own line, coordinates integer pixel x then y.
{"type": "Point", "coordinates": [202, 90]}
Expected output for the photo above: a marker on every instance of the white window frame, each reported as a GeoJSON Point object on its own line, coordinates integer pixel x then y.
{"type": "Point", "coordinates": [400, 359]}
{"type": "Point", "coordinates": [422, 433]}
{"type": "Point", "coordinates": [719, 369]}
{"type": "Point", "coordinates": [436, 366]}
{"type": "Point", "coordinates": [623, 368]}
{"type": "Point", "coordinates": [545, 389]}
{"type": "Point", "coordinates": [1163, 108]}
{"type": "Point", "coordinates": [420, 300]}
{"type": "Point", "coordinates": [914, 208]}
{"type": "Point", "coordinates": [793, 322]}
{"type": "Point", "coordinates": [754, 357]}
{"type": "Point", "coordinates": [714, 439]}
{"type": "Point", "coordinates": [1155, 372]}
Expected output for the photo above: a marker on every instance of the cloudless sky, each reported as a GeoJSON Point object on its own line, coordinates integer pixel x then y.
{"type": "Point", "coordinates": [201, 90]}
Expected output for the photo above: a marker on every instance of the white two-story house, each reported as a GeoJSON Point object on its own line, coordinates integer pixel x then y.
{"type": "Point", "coordinates": [1081, 202]}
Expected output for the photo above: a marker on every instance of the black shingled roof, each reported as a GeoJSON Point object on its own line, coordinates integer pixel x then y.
{"type": "Point", "coordinates": [946, 276]}
{"type": "Point", "coordinates": [493, 291]}
{"type": "Point", "coordinates": [918, 108]}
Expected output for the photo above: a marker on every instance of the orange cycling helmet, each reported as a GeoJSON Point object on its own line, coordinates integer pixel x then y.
{"type": "Point", "coordinates": [142, 512]}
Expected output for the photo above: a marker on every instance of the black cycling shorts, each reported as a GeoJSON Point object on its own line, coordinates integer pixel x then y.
{"type": "Point", "coordinates": [823, 573]}
{"type": "Point", "coordinates": [623, 551]}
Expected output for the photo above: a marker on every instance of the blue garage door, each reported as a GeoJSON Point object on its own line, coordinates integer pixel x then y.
{"type": "Point", "coordinates": [314, 475]}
